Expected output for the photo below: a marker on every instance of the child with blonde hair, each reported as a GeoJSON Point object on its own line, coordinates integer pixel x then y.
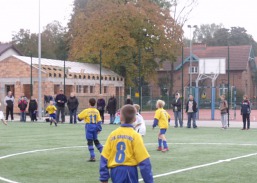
{"type": "Point", "coordinates": [139, 124]}
{"type": "Point", "coordinates": [162, 119]}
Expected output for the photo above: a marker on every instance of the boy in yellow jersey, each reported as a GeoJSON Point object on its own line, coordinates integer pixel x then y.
{"type": "Point", "coordinates": [93, 126]}
{"type": "Point", "coordinates": [124, 150]}
{"type": "Point", "coordinates": [51, 111]}
{"type": "Point", "coordinates": [162, 119]}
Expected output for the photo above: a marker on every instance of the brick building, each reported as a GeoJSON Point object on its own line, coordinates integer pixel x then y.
{"type": "Point", "coordinates": [82, 78]}
{"type": "Point", "coordinates": [243, 73]}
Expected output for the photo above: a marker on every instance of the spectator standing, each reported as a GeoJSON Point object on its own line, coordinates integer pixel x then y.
{"type": "Point", "coordinates": [191, 109]}
{"type": "Point", "coordinates": [22, 105]}
{"type": "Point", "coordinates": [24, 98]}
{"type": "Point", "coordinates": [111, 108]}
{"type": "Point", "coordinates": [245, 112]}
{"type": "Point", "coordinates": [224, 112]}
{"type": "Point", "coordinates": [9, 102]}
{"type": "Point", "coordinates": [73, 104]}
{"type": "Point", "coordinates": [33, 109]}
{"type": "Point", "coordinates": [60, 105]}
{"type": "Point", "coordinates": [100, 107]}
{"type": "Point", "coordinates": [129, 101]}
{"type": "Point", "coordinates": [176, 103]}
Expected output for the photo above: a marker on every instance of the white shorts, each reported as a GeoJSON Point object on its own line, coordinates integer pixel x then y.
{"type": "Point", "coordinates": [1, 115]}
{"type": "Point", "coordinates": [141, 131]}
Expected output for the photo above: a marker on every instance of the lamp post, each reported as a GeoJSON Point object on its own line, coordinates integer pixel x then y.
{"type": "Point", "coordinates": [39, 66]}
{"type": "Point", "coordinates": [190, 61]}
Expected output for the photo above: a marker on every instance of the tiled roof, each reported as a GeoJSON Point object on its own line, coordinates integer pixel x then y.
{"type": "Point", "coordinates": [4, 47]}
{"type": "Point", "coordinates": [239, 55]}
{"type": "Point", "coordinates": [73, 67]}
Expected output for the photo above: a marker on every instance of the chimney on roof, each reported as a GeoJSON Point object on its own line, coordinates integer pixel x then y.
{"type": "Point", "coordinates": [199, 46]}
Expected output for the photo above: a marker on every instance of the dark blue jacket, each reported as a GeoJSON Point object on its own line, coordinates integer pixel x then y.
{"type": "Point", "coordinates": [62, 98]}
{"type": "Point", "coordinates": [245, 107]}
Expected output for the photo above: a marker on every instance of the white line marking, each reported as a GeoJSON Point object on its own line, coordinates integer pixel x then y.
{"type": "Point", "coordinates": [178, 171]}
{"type": "Point", "coordinates": [30, 152]}
{"type": "Point", "coordinates": [39, 150]}
{"type": "Point", "coordinates": [203, 165]}
{"type": "Point", "coordinates": [7, 180]}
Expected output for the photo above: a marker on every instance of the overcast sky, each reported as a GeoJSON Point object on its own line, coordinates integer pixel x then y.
{"type": "Point", "coordinates": [16, 14]}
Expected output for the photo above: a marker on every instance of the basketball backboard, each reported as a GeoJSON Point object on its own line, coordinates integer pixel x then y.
{"type": "Point", "coordinates": [212, 66]}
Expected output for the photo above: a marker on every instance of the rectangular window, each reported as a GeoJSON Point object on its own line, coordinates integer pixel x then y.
{"type": "Point", "coordinates": [223, 91]}
{"type": "Point", "coordinates": [194, 70]}
{"type": "Point", "coordinates": [9, 88]}
{"type": "Point", "coordinates": [92, 89]}
{"type": "Point", "coordinates": [105, 89]}
{"type": "Point", "coordinates": [85, 89]}
{"type": "Point", "coordinates": [79, 89]}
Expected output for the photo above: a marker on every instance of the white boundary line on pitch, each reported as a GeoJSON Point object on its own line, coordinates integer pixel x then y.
{"type": "Point", "coordinates": [160, 175]}
{"type": "Point", "coordinates": [203, 165]}
{"type": "Point", "coordinates": [30, 152]}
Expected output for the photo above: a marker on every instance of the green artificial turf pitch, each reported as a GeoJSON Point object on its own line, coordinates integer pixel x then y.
{"type": "Point", "coordinates": [188, 148]}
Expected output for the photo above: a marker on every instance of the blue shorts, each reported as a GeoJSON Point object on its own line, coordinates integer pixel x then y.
{"type": "Point", "coordinates": [52, 116]}
{"type": "Point", "coordinates": [124, 174]}
{"type": "Point", "coordinates": [163, 131]}
{"type": "Point", "coordinates": [91, 131]}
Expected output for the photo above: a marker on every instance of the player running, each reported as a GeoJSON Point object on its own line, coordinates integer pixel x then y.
{"type": "Point", "coordinates": [93, 126]}
{"type": "Point", "coordinates": [162, 119]}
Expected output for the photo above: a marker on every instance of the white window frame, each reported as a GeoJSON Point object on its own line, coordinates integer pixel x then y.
{"type": "Point", "coordinates": [194, 70]}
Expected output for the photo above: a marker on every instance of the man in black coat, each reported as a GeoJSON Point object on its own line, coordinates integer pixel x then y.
{"type": "Point", "coordinates": [73, 104]}
{"type": "Point", "coordinates": [176, 103]}
{"type": "Point", "coordinates": [191, 109]}
{"type": "Point", "coordinates": [111, 108]}
{"type": "Point", "coordinates": [60, 100]}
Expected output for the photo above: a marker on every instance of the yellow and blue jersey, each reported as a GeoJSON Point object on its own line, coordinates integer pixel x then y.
{"type": "Point", "coordinates": [124, 150]}
{"type": "Point", "coordinates": [90, 116]}
{"type": "Point", "coordinates": [163, 117]}
{"type": "Point", "coordinates": [51, 109]}
{"type": "Point", "coordinates": [124, 147]}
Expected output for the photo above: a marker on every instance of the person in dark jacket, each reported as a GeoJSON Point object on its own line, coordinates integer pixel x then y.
{"type": "Point", "coordinates": [22, 105]}
{"type": "Point", "coordinates": [111, 108]}
{"type": "Point", "coordinates": [33, 109]}
{"type": "Point", "coordinates": [100, 107]}
{"type": "Point", "coordinates": [191, 109]}
{"type": "Point", "coordinates": [129, 101]}
{"type": "Point", "coordinates": [245, 112]}
{"type": "Point", "coordinates": [176, 103]}
{"type": "Point", "coordinates": [9, 103]}
{"type": "Point", "coordinates": [60, 100]}
{"type": "Point", "coordinates": [73, 104]}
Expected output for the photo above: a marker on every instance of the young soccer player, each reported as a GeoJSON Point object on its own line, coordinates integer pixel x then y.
{"type": "Point", "coordinates": [162, 119]}
{"type": "Point", "coordinates": [93, 126]}
{"type": "Point", "coordinates": [124, 150]}
{"type": "Point", "coordinates": [2, 116]}
{"type": "Point", "coordinates": [51, 109]}
{"type": "Point", "coordinates": [139, 124]}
